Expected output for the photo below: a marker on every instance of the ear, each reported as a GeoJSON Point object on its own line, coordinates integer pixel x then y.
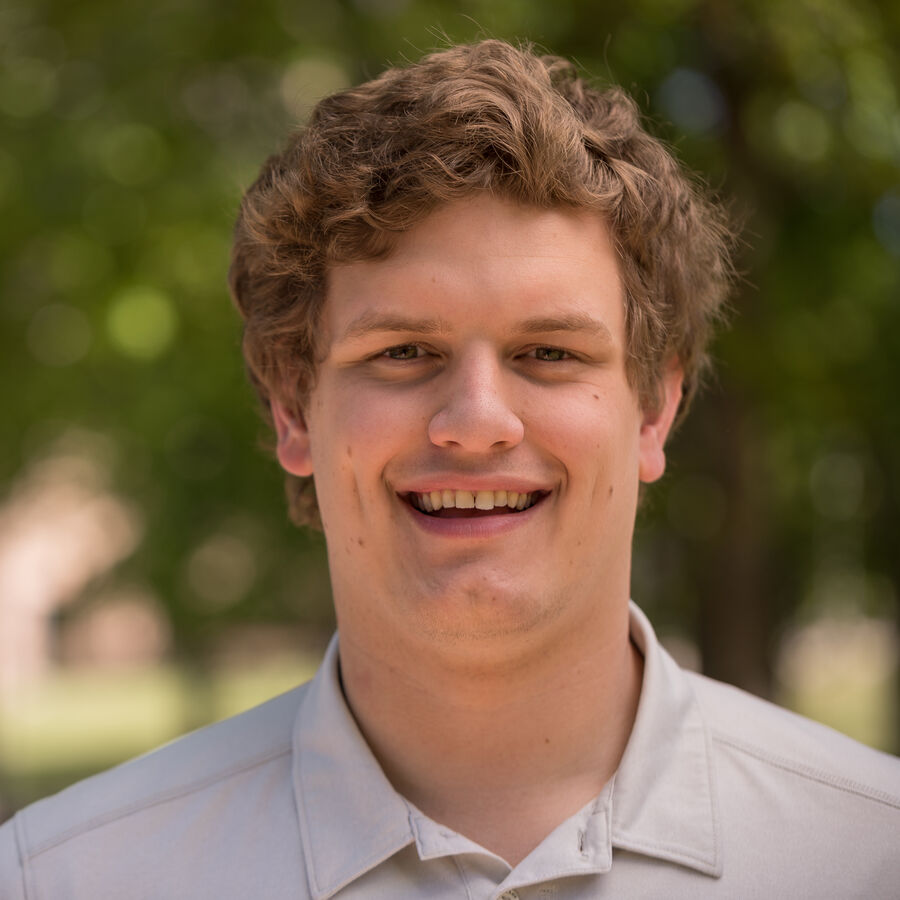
{"type": "Point", "coordinates": [293, 448]}
{"type": "Point", "coordinates": [656, 425]}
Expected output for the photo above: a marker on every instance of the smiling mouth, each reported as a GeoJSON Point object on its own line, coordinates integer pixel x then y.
{"type": "Point", "coordinates": [452, 504]}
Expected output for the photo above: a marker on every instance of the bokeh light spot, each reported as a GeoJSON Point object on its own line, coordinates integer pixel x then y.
{"type": "Point", "coordinates": [221, 571]}
{"type": "Point", "coordinates": [886, 221]}
{"type": "Point", "coordinates": [306, 81]}
{"type": "Point", "coordinates": [193, 253]}
{"type": "Point", "coordinates": [802, 131]}
{"type": "Point", "coordinates": [132, 153]}
{"type": "Point", "coordinates": [142, 322]}
{"type": "Point", "coordinates": [870, 129]}
{"type": "Point", "coordinates": [826, 665]}
{"type": "Point", "coordinates": [59, 335]}
{"type": "Point", "coordinates": [837, 484]}
{"type": "Point", "coordinates": [693, 101]}
{"type": "Point", "coordinates": [81, 90]}
{"type": "Point", "coordinates": [28, 87]}
{"type": "Point", "coordinates": [217, 99]}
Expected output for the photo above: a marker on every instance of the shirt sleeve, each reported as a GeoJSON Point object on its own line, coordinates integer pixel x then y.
{"type": "Point", "coordinates": [12, 878]}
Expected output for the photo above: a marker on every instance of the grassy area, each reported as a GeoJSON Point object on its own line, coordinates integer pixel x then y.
{"type": "Point", "coordinates": [73, 724]}
{"type": "Point", "coordinates": [861, 711]}
{"type": "Point", "coordinates": [841, 670]}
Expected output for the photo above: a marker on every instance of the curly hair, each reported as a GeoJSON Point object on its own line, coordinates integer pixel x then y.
{"type": "Point", "coordinates": [374, 160]}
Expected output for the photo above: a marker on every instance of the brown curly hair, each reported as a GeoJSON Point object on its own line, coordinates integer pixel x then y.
{"type": "Point", "coordinates": [376, 159]}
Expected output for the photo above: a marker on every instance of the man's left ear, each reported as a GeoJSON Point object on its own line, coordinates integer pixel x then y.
{"type": "Point", "coordinates": [657, 424]}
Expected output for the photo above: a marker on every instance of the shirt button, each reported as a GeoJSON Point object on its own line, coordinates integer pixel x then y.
{"type": "Point", "coordinates": [509, 895]}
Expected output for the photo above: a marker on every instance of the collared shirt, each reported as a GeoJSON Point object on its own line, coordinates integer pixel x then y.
{"type": "Point", "coordinates": [718, 794]}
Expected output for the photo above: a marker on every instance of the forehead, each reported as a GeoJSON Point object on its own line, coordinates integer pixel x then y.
{"type": "Point", "coordinates": [485, 255]}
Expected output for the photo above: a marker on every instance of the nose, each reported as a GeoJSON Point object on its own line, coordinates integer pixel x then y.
{"type": "Point", "coordinates": [475, 415]}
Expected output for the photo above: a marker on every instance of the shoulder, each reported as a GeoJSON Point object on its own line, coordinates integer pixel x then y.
{"type": "Point", "coordinates": [802, 809]}
{"type": "Point", "coordinates": [190, 764]}
{"type": "Point", "coordinates": [190, 794]}
{"type": "Point", "coordinates": [792, 748]}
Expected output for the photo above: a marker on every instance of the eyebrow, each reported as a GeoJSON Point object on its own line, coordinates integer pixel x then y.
{"type": "Point", "coordinates": [575, 321]}
{"type": "Point", "coordinates": [372, 322]}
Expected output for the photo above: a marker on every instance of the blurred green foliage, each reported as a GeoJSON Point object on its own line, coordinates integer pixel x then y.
{"type": "Point", "coordinates": [129, 132]}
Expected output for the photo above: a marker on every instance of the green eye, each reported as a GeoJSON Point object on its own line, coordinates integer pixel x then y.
{"type": "Point", "coordinates": [404, 351]}
{"type": "Point", "coordinates": [549, 354]}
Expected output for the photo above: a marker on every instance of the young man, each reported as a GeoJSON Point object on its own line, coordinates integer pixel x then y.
{"type": "Point", "coordinates": [477, 295]}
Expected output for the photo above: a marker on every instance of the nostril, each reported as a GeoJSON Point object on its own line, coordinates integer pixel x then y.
{"type": "Point", "coordinates": [477, 421]}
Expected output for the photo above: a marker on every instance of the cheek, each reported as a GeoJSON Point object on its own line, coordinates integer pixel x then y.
{"type": "Point", "coordinates": [596, 438]}
{"type": "Point", "coordinates": [377, 430]}
{"type": "Point", "coordinates": [355, 433]}
{"type": "Point", "coordinates": [583, 427]}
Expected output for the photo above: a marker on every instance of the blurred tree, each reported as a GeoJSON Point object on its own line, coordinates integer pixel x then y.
{"type": "Point", "coordinates": [129, 132]}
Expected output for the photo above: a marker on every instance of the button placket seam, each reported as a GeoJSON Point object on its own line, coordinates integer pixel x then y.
{"type": "Point", "coordinates": [462, 876]}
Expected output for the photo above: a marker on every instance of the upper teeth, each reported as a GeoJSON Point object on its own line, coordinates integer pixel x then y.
{"type": "Point", "coordinates": [436, 500]}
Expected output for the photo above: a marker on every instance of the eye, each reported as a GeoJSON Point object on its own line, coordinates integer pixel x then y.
{"type": "Point", "coordinates": [404, 351]}
{"type": "Point", "coordinates": [549, 354]}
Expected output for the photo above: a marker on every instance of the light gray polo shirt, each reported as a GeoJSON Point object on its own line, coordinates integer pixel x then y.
{"type": "Point", "coordinates": [719, 794]}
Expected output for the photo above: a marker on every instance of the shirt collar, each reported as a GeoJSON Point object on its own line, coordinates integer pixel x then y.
{"type": "Point", "coordinates": [664, 802]}
{"type": "Point", "coordinates": [351, 818]}
{"type": "Point", "coordinates": [660, 803]}
{"type": "Point", "coordinates": [579, 846]}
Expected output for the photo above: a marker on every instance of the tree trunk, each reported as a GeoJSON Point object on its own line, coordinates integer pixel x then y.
{"type": "Point", "coordinates": [734, 610]}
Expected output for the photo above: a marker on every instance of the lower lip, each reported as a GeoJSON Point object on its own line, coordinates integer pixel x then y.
{"type": "Point", "coordinates": [476, 527]}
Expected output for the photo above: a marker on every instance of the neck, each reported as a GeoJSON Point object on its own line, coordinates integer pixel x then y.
{"type": "Point", "coordinates": [501, 749]}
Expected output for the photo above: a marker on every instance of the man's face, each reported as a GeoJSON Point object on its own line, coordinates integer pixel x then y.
{"type": "Point", "coordinates": [477, 370]}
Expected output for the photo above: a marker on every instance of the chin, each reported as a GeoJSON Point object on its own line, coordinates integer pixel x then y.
{"type": "Point", "coordinates": [481, 612]}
